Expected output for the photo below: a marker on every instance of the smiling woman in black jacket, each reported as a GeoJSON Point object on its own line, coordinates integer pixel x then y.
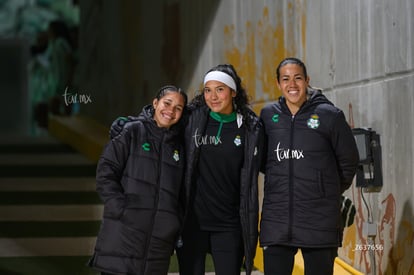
{"type": "Point", "coordinates": [139, 179]}
{"type": "Point", "coordinates": [311, 160]}
{"type": "Point", "coordinates": [223, 140]}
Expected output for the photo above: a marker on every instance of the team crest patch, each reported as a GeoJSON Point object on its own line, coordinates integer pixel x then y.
{"type": "Point", "coordinates": [313, 121]}
{"type": "Point", "coordinates": [176, 155]}
{"type": "Point", "coordinates": [237, 140]}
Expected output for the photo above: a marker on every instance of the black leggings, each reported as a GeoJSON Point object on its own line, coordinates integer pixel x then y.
{"type": "Point", "coordinates": [225, 247]}
{"type": "Point", "coordinates": [279, 260]}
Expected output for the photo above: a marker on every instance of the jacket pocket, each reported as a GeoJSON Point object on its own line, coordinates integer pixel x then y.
{"type": "Point", "coordinates": [117, 239]}
{"type": "Point", "coordinates": [114, 208]}
{"type": "Point", "coordinates": [321, 184]}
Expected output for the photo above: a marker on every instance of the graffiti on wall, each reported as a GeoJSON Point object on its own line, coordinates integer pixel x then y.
{"type": "Point", "coordinates": [394, 243]}
{"type": "Point", "coordinates": [401, 254]}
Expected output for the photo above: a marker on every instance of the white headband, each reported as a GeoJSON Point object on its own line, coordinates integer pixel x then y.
{"type": "Point", "coordinates": [221, 77]}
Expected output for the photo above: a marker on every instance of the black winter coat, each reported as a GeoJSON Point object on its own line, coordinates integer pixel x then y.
{"type": "Point", "coordinates": [249, 205]}
{"type": "Point", "coordinates": [139, 177]}
{"type": "Point", "coordinates": [311, 160]}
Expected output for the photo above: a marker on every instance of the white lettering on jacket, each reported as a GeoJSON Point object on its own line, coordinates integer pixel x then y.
{"type": "Point", "coordinates": [204, 140]}
{"type": "Point", "coordinates": [283, 153]}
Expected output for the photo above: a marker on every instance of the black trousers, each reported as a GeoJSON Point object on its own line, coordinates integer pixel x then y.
{"type": "Point", "coordinates": [279, 260]}
{"type": "Point", "coordinates": [226, 248]}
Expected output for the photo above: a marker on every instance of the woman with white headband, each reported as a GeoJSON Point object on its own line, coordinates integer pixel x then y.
{"type": "Point", "coordinates": [223, 140]}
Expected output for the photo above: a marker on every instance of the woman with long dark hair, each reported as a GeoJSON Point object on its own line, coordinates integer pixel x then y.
{"type": "Point", "coordinates": [223, 140]}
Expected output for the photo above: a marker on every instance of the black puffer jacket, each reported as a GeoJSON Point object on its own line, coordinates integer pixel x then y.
{"type": "Point", "coordinates": [311, 159]}
{"type": "Point", "coordinates": [249, 206]}
{"type": "Point", "coordinates": [139, 177]}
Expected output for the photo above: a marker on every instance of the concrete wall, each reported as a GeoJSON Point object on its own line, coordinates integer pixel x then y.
{"type": "Point", "coordinates": [129, 49]}
{"type": "Point", "coordinates": [360, 52]}
{"type": "Point", "coordinates": [110, 64]}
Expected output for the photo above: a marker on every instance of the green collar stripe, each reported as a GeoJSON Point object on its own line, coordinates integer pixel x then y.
{"type": "Point", "coordinates": [222, 119]}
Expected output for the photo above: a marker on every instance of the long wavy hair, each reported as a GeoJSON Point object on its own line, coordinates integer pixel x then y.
{"type": "Point", "coordinates": [240, 101]}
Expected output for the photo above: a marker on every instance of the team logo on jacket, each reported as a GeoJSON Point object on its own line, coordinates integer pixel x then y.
{"type": "Point", "coordinates": [176, 155]}
{"type": "Point", "coordinates": [237, 140]}
{"type": "Point", "coordinates": [313, 121]}
{"type": "Point", "coordinates": [275, 118]}
{"type": "Point", "coordinates": [146, 146]}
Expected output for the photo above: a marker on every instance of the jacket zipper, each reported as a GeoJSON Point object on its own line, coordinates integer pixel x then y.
{"type": "Point", "coordinates": [291, 164]}
{"type": "Point", "coordinates": [292, 122]}
{"type": "Point", "coordinates": [245, 228]}
{"type": "Point", "coordinates": [157, 195]}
